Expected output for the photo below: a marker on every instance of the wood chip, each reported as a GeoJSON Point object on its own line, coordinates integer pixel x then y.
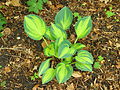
{"type": "Point", "coordinates": [76, 74]}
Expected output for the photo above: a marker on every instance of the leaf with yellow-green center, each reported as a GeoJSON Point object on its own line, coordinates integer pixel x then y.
{"type": "Point", "coordinates": [48, 75]}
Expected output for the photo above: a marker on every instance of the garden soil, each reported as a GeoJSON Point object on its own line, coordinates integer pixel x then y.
{"type": "Point", "coordinates": [21, 56]}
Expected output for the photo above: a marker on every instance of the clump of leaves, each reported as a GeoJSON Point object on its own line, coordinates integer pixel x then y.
{"type": "Point", "coordinates": [97, 64]}
{"type": "Point", "coordinates": [35, 5]}
{"type": "Point", "coordinates": [2, 22]}
{"type": "Point", "coordinates": [60, 48]}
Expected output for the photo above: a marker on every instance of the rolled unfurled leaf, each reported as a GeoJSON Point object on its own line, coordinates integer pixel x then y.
{"type": "Point", "coordinates": [48, 75]}
{"type": "Point", "coordinates": [57, 32]}
{"type": "Point", "coordinates": [34, 26]}
{"type": "Point", "coordinates": [63, 72]}
{"type": "Point", "coordinates": [84, 57]}
{"type": "Point", "coordinates": [64, 18]}
{"type": "Point", "coordinates": [44, 66]}
{"type": "Point", "coordinates": [83, 27]}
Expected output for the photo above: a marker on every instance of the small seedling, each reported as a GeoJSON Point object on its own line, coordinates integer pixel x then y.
{"type": "Point", "coordinates": [60, 48]}
{"type": "Point", "coordinates": [35, 5]}
{"type": "Point", "coordinates": [109, 13]}
{"type": "Point", "coordinates": [100, 58]}
{"type": "Point", "coordinates": [76, 14]}
{"type": "Point", "coordinates": [3, 84]}
{"type": "Point", "coordinates": [97, 64]}
{"type": "Point", "coordinates": [35, 76]}
{"type": "Point", "coordinates": [1, 66]}
{"type": "Point", "coordinates": [2, 22]}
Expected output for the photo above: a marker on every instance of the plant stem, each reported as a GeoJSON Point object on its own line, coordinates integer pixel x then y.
{"type": "Point", "coordinates": [73, 62]}
{"type": "Point", "coordinates": [45, 41]}
{"type": "Point", "coordinates": [75, 40]}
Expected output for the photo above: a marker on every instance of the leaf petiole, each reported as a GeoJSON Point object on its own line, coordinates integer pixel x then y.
{"type": "Point", "coordinates": [75, 40]}
{"type": "Point", "coordinates": [45, 41]}
{"type": "Point", "coordinates": [73, 63]}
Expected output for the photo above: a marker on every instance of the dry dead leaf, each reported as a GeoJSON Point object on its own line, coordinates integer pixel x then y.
{"type": "Point", "coordinates": [76, 74]}
{"type": "Point", "coordinates": [44, 44]}
{"type": "Point", "coordinates": [106, 1]}
{"type": "Point", "coordinates": [118, 65]}
{"type": "Point", "coordinates": [70, 87]}
{"type": "Point", "coordinates": [13, 2]}
{"type": "Point", "coordinates": [36, 87]}
{"type": "Point", "coordinates": [7, 31]}
{"type": "Point", "coordinates": [7, 69]}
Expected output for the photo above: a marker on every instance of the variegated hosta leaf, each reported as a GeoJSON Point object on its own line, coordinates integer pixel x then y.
{"type": "Point", "coordinates": [57, 32]}
{"type": "Point", "coordinates": [83, 27]}
{"type": "Point", "coordinates": [58, 42]}
{"type": "Point", "coordinates": [64, 18]}
{"type": "Point", "coordinates": [84, 57]}
{"type": "Point", "coordinates": [63, 72]}
{"type": "Point", "coordinates": [44, 66]}
{"type": "Point", "coordinates": [34, 26]}
{"type": "Point", "coordinates": [50, 50]}
{"type": "Point", "coordinates": [84, 67]}
{"type": "Point", "coordinates": [48, 75]}
{"type": "Point", "coordinates": [68, 60]}
{"type": "Point", "coordinates": [48, 34]}
{"type": "Point", "coordinates": [63, 49]}
{"type": "Point", "coordinates": [78, 46]}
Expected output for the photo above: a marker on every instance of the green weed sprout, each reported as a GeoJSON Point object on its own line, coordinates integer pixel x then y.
{"type": "Point", "coordinates": [35, 5]}
{"type": "Point", "coordinates": [2, 22]}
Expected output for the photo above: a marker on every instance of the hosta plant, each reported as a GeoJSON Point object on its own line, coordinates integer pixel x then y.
{"type": "Point", "coordinates": [69, 54]}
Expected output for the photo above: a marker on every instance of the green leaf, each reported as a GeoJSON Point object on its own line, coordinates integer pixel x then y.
{"type": "Point", "coordinates": [48, 34]}
{"type": "Point", "coordinates": [50, 49]}
{"type": "Point", "coordinates": [57, 32]}
{"type": "Point", "coordinates": [64, 18]}
{"type": "Point", "coordinates": [63, 49]}
{"type": "Point", "coordinates": [84, 57]}
{"type": "Point", "coordinates": [35, 75]}
{"type": "Point", "coordinates": [34, 26]}
{"type": "Point", "coordinates": [45, 1]}
{"type": "Point", "coordinates": [44, 66]}
{"type": "Point", "coordinates": [1, 66]}
{"type": "Point", "coordinates": [63, 72]}
{"type": "Point", "coordinates": [97, 65]}
{"type": "Point", "coordinates": [78, 46]}
{"type": "Point", "coordinates": [83, 27]}
{"type": "Point", "coordinates": [1, 34]}
{"type": "Point", "coordinates": [2, 22]}
{"type": "Point", "coordinates": [58, 43]}
{"type": "Point", "coordinates": [68, 60]}
{"type": "Point", "coordinates": [109, 14]}
{"type": "Point", "coordinates": [48, 75]}
{"type": "Point", "coordinates": [100, 58]}
{"type": "Point", "coordinates": [35, 5]}
{"type": "Point", "coordinates": [83, 67]}
{"type": "Point", "coordinates": [3, 84]}
{"type": "Point", "coordinates": [76, 14]}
